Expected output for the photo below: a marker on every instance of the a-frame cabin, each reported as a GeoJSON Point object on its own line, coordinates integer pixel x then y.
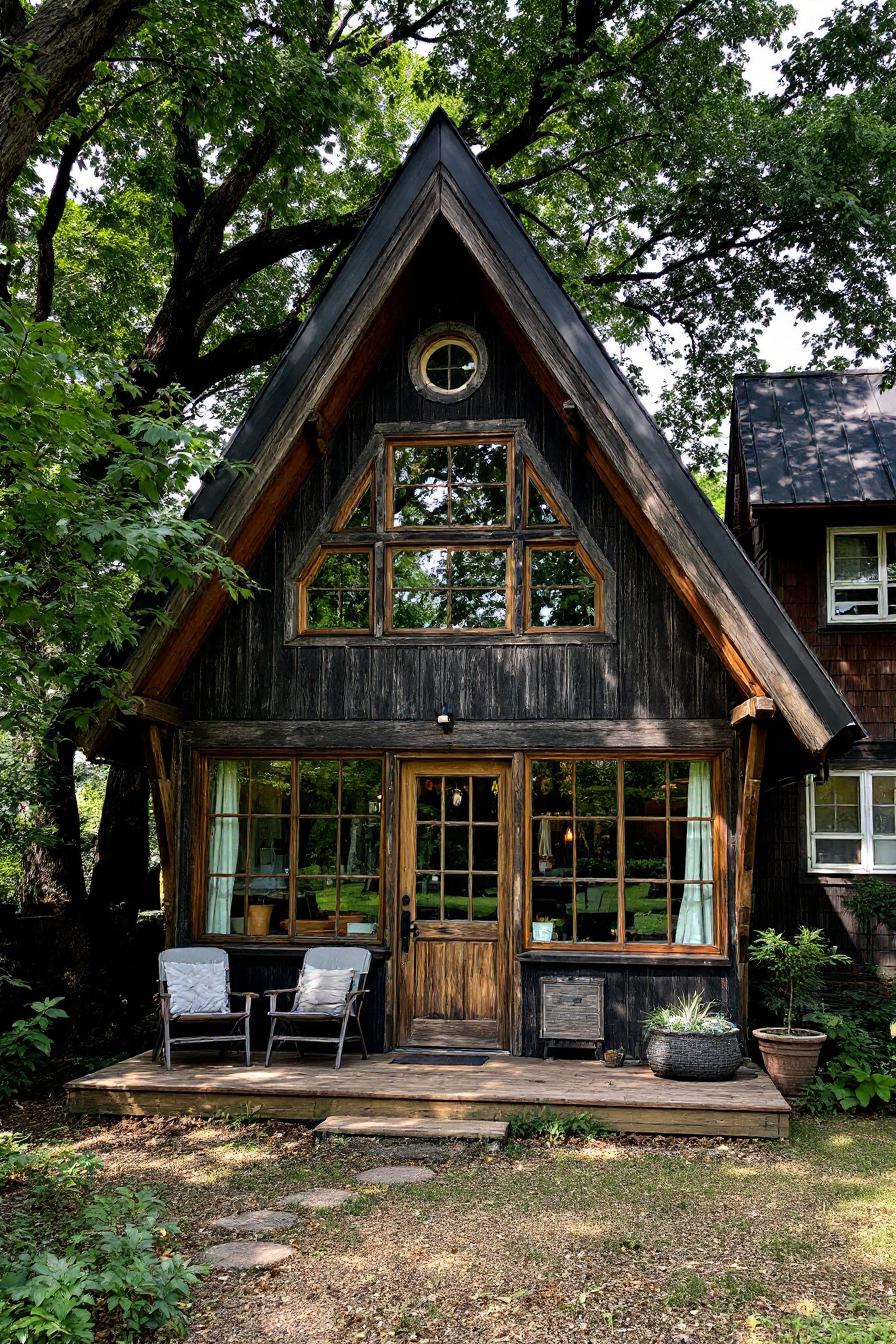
{"type": "Point", "coordinates": [499, 706]}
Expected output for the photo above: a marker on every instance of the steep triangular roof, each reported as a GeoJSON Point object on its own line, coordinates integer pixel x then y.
{"type": "Point", "coordinates": [761, 648]}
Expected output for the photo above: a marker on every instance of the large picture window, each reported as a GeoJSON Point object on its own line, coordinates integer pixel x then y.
{"type": "Point", "coordinates": [861, 574]}
{"type": "Point", "coordinates": [444, 535]}
{"type": "Point", "coordinates": [622, 852]}
{"type": "Point", "coordinates": [852, 822]}
{"type": "Point", "coordinates": [292, 848]}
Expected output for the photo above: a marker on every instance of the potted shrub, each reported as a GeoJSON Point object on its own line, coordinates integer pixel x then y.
{"type": "Point", "coordinates": [690, 1040]}
{"type": "Point", "coordinates": [794, 969]}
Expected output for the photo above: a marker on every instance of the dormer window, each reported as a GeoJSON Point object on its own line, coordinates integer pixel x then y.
{"type": "Point", "coordinates": [861, 574]}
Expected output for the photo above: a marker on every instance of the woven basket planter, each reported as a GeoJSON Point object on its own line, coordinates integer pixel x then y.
{"type": "Point", "coordinates": [693, 1056]}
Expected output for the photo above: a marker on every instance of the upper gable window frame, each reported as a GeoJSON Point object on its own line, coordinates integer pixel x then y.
{"type": "Point", "coordinates": [879, 586]}
{"type": "Point", "coordinates": [425, 345]}
{"type": "Point", "coordinates": [371, 469]}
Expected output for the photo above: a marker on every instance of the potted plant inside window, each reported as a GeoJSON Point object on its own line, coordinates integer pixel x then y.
{"type": "Point", "coordinates": [689, 1039]}
{"type": "Point", "coordinates": [794, 974]}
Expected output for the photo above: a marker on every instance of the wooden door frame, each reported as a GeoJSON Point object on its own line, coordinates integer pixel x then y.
{"type": "Point", "coordinates": [509, 995]}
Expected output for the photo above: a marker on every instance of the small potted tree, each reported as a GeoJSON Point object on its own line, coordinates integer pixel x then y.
{"type": "Point", "coordinates": [690, 1040]}
{"type": "Point", "coordinates": [794, 969]}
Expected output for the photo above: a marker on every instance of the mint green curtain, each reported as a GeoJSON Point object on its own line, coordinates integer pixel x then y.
{"type": "Point", "coordinates": [224, 847]}
{"type": "Point", "coordinates": [695, 916]}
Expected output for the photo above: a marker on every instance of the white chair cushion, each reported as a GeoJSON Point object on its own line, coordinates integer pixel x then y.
{"type": "Point", "coordinates": [322, 992]}
{"type": "Point", "coordinates": [197, 987]}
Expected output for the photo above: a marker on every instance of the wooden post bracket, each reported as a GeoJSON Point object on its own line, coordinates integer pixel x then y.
{"type": "Point", "coordinates": [756, 712]}
{"type": "Point", "coordinates": [159, 766]}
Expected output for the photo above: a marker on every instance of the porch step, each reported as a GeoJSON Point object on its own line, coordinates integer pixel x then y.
{"type": "Point", "coordinates": [411, 1127]}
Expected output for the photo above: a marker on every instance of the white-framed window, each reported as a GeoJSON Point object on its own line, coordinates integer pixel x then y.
{"type": "Point", "coordinates": [852, 822]}
{"type": "Point", "coordinates": [861, 574]}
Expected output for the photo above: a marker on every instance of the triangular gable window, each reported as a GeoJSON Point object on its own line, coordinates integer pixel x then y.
{"type": "Point", "coordinates": [452, 534]}
{"type": "Point", "coordinates": [540, 510]}
{"type": "Point", "coordinates": [357, 515]}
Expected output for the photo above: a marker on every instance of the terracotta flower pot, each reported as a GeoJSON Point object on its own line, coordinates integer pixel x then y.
{"type": "Point", "coordinates": [790, 1057]}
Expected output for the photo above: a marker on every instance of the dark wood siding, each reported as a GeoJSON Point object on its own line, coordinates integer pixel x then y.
{"type": "Point", "coordinates": [861, 659]}
{"type": "Point", "coordinates": [660, 666]}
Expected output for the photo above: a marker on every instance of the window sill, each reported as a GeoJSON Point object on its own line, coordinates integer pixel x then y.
{"type": "Point", "coordinates": [284, 946]}
{"type": "Point", "coordinates": [622, 958]}
{"type": "Point", "coordinates": [498, 638]}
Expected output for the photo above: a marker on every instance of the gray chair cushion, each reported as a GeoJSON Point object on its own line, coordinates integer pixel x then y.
{"type": "Point", "coordinates": [322, 991]}
{"type": "Point", "coordinates": [197, 987]}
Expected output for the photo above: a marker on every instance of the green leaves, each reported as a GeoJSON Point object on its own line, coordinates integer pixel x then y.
{"type": "Point", "coordinates": [794, 969]}
{"type": "Point", "coordinates": [112, 1273]}
{"type": "Point", "coordinates": [91, 510]}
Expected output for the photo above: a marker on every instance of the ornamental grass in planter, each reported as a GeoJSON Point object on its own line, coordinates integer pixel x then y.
{"type": "Point", "coordinates": [690, 1040]}
{"type": "Point", "coordinates": [794, 970]}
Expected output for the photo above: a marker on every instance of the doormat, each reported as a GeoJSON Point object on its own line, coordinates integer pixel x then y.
{"type": "Point", "coordinates": [440, 1059]}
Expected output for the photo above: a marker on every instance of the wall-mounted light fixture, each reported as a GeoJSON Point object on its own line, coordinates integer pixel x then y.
{"type": "Point", "coordinates": [567, 835]}
{"type": "Point", "coordinates": [445, 718]}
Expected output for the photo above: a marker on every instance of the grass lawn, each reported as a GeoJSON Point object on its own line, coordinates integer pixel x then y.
{"type": "Point", "coordinates": [640, 1240]}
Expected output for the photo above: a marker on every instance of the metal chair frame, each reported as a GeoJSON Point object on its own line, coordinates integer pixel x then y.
{"type": "Point", "coordinates": [239, 1021]}
{"type": "Point", "coordinates": [323, 958]}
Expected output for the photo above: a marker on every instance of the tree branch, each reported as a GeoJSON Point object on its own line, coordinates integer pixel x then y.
{"type": "Point", "coordinates": [56, 203]}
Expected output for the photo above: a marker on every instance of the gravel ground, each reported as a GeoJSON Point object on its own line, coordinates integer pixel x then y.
{"type": "Point", "coordinates": [652, 1241]}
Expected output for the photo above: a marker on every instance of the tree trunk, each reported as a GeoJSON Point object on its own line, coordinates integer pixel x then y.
{"type": "Point", "coordinates": [121, 861]}
{"type": "Point", "coordinates": [63, 40]}
{"type": "Point", "coordinates": [52, 869]}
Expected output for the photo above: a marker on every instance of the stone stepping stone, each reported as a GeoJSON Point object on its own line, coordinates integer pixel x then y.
{"type": "Point", "coordinates": [257, 1220]}
{"type": "Point", "coordinates": [395, 1175]}
{"type": "Point", "coordinates": [319, 1199]}
{"type": "Point", "coordinates": [248, 1254]}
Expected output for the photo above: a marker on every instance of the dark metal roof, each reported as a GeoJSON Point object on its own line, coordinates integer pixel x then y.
{"type": "Point", "coordinates": [817, 438]}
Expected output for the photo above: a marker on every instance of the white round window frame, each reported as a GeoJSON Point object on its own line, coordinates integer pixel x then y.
{"type": "Point", "coordinates": [425, 346]}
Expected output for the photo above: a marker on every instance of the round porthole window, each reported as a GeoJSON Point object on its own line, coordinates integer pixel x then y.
{"type": "Point", "coordinates": [447, 362]}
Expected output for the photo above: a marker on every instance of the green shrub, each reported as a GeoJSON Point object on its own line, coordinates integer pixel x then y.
{"type": "Point", "coordinates": [873, 901]}
{"type": "Point", "coordinates": [689, 1013]}
{"type": "Point", "coordinates": [77, 1264]}
{"type": "Point", "coordinates": [26, 1043]}
{"type": "Point", "coordinates": [794, 969]}
{"type": "Point", "coordinates": [859, 1068]}
{"type": "Point", "coordinates": [554, 1127]}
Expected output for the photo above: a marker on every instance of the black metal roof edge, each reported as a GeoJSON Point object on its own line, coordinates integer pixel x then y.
{"type": "Point", "coordinates": [810, 373]}
{"type": "Point", "coordinates": [604, 375]}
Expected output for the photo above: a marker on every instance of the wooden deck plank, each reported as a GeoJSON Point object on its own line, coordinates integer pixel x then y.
{"type": "Point", "coordinates": [630, 1099]}
{"type": "Point", "coordinates": [412, 1127]}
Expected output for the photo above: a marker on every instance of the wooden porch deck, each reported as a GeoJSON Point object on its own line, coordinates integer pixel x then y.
{"type": "Point", "coordinates": [630, 1100]}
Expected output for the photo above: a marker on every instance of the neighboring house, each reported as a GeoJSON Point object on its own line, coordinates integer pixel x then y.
{"type": "Point", "coordinates": [812, 500]}
{"type": "Point", "coordinates": [478, 715]}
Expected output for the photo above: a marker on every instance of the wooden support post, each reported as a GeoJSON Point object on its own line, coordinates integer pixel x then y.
{"type": "Point", "coordinates": [161, 783]}
{"type": "Point", "coordinates": [747, 821]}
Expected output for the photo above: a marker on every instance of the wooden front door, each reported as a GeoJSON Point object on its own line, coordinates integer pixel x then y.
{"type": "Point", "coordinates": [452, 901]}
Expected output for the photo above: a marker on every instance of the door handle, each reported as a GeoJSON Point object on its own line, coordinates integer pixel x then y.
{"type": "Point", "coordinates": [407, 925]}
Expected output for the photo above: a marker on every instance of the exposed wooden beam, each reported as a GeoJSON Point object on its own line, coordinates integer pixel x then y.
{"type": "Point", "coordinates": [747, 823]}
{"type": "Point", "coordinates": [155, 711]}
{"type": "Point", "coordinates": [159, 766]}
{"type": "Point", "coordinates": [757, 707]}
{"type": "Point", "coordinates": [620, 735]}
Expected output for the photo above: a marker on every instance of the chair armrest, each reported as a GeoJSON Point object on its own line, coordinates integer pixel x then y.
{"type": "Point", "coordinates": [288, 989]}
{"type": "Point", "coordinates": [356, 993]}
{"type": "Point", "coordinates": [243, 994]}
